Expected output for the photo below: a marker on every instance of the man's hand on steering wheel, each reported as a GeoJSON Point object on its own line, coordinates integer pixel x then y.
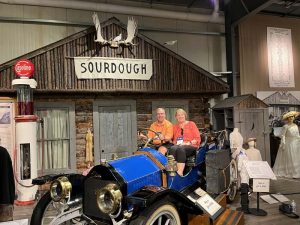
{"type": "Point", "coordinates": [150, 140]}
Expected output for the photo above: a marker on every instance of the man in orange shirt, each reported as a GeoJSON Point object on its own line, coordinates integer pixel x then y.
{"type": "Point", "coordinates": [165, 130]}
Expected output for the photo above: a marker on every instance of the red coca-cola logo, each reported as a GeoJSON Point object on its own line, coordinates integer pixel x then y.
{"type": "Point", "coordinates": [24, 68]}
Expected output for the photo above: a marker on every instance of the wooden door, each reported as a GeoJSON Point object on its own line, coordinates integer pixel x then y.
{"type": "Point", "coordinates": [115, 129]}
{"type": "Point", "coordinates": [254, 123]}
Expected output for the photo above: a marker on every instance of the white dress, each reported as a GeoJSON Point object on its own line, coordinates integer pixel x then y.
{"type": "Point", "coordinates": [253, 154]}
{"type": "Point", "coordinates": [287, 163]}
{"type": "Point", "coordinates": [243, 174]}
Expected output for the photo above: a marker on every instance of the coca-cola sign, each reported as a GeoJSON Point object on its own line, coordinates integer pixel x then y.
{"type": "Point", "coordinates": [24, 68]}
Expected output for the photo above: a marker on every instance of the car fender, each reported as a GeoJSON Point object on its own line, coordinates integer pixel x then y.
{"type": "Point", "coordinates": [148, 195]}
{"type": "Point", "coordinates": [77, 181]}
{"type": "Point", "coordinates": [73, 177]}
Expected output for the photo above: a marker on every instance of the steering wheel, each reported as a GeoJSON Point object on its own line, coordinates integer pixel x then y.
{"type": "Point", "coordinates": [149, 141]}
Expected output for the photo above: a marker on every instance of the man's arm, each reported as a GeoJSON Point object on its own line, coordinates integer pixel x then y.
{"type": "Point", "coordinates": [169, 133]}
{"type": "Point", "coordinates": [151, 134]}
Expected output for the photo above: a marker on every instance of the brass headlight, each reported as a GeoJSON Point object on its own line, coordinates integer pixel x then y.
{"type": "Point", "coordinates": [60, 188]}
{"type": "Point", "coordinates": [109, 198]}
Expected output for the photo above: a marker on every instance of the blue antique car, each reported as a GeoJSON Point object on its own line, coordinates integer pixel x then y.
{"type": "Point", "coordinates": [140, 189]}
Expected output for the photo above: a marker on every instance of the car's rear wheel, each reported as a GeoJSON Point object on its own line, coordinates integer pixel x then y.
{"type": "Point", "coordinates": [160, 213]}
{"type": "Point", "coordinates": [232, 189]}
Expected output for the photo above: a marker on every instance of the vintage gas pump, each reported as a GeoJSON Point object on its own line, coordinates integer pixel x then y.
{"type": "Point", "coordinates": [26, 122]}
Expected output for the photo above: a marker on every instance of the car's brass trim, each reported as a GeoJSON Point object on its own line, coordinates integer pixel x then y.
{"type": "Point", "coordinates": [115, 195]}
{"type": "Point", "coordinates": [66, 188]}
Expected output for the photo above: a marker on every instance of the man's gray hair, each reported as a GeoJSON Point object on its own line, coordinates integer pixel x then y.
{"type": "Point", "coordinates": [160, 109]}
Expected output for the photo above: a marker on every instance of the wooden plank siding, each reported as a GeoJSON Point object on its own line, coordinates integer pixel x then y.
{"type": "Point", "coordinates": [55, 72]}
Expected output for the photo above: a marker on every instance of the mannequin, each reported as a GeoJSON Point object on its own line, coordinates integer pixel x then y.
{"type": "Point", "coordinates": [253, 154]}
{"type": "Point", "coordinates": [236, 142]}
{"type": "Point", "coordinates": [239, 154]}
{"type": "Point", "coordinates": [287, 163]}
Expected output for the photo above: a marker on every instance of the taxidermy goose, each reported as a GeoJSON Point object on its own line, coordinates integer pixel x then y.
{"type": "Point", "coordinates": [118, 38]}
{"type": "Point", "coordinates": [170, 42]}
{"type": "Point", "coordinates": [114, 43]}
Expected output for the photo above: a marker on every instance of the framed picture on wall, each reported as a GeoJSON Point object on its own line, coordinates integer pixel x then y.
{"type": "Point", "coordinates": [280, 57]}
{"type": "Point", "coordinates": [7, 134]}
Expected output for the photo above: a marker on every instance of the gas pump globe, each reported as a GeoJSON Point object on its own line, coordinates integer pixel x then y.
{"type": "Point", "coordinates": [26, 139]}
{"type": "Point", "coordinates": [25, 99]}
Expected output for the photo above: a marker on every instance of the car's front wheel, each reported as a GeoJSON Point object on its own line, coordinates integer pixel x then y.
{"type": "Point", "coordinates": [160, 213]}
{"type": "Point", "coordinates": [48, 212]}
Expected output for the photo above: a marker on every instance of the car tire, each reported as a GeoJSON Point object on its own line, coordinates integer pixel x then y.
{"type": "Point", "coordinates": [162, 210]}
{"type": "Point", "coordinates": [38, 212]}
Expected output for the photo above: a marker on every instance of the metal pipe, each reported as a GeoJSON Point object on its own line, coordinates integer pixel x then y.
{"type": "Point", "coordinates": [184, 32]}
{"type": "Point", "coordinates": [86, 24]}
{"type": "Point", "coordinates": [44, 21]}
{"type": "Point", "coordinates": [111, 8]}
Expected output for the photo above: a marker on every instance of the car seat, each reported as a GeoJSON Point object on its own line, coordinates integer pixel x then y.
{"type": "Point", "coordinates": [191, 160]}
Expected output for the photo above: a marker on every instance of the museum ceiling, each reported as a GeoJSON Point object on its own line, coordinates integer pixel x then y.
{"type": "Point", "coordinates": [284, 8]}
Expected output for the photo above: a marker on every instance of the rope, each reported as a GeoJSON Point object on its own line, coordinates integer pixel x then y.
{"type": "Point", "coordinates": [219, 168]}
{"type": "Point", "coordinates": [224, 175]}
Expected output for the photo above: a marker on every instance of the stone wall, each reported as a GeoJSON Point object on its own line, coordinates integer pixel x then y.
{"type": "Point", "coordinates": [144, 113]}
{"type": "Point", "coordinates": [83, 120]}
{"type": "Point", "coordinates": [198, 112]}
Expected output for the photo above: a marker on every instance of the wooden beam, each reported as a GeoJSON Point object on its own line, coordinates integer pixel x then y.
{"type": "Point", "coordinates": [240, 10]}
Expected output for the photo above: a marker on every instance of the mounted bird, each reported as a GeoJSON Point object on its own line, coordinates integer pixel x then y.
{"type": "Point", "coordinates": [114, 43]}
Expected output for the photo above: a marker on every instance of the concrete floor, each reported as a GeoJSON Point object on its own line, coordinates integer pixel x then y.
{"type": "Point", "coordinates": [274, 217]}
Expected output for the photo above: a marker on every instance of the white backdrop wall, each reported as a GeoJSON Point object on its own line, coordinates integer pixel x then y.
{"type": "Point", "coordinates": [18, 38]}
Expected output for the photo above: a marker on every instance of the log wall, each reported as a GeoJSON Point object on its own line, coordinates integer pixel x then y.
{"type": "Point", "coordinates": [198, 112]}
{"type": "Point", "coordinates": [55, 71]}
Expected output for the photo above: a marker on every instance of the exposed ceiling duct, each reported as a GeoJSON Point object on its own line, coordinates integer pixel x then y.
{"type": "Point", "coordinates": [121, 9]}
{"type": "Point", "coordinates": [289, 3]}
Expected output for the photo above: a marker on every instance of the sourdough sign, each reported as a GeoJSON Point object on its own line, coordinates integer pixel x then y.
{"type": "Point", "coordinates": [113, 68]}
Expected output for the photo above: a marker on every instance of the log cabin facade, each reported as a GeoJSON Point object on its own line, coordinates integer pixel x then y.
{"type": "Point", "coordinates": [113, 108]}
